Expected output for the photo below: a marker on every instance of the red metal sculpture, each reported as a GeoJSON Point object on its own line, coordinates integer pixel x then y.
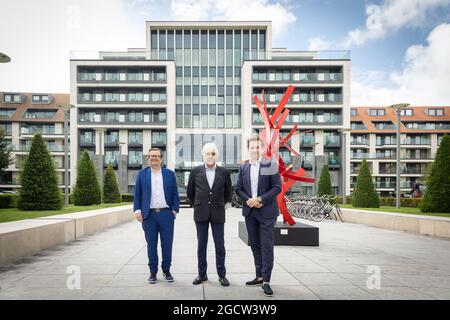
{"type": "Point", "coordinates": [272, 141]}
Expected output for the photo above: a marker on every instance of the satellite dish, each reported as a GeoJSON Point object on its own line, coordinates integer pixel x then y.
{"type": "Point", "coordinates": [4, 58]}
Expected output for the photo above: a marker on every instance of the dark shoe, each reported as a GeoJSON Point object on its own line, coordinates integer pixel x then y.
{"type": "Point", "coordinates": [152, 279]}
{"type": "Point", "coordinates": [254, 282]}
{"type": "Point", "coordinates": [224, 281]}
{"type": "Point", "coordinates": [267, 290]}
{"type": "Point", "coordinates": [167, 276]}
{"type": "Point", "coordinates": [199, 280]}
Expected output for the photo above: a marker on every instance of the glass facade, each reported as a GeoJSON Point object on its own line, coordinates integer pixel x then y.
{"type": "Point", "coordinates": [208, 72]}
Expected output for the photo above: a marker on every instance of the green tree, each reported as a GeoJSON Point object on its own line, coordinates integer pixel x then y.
{"type": "Point", "coordinates": [111, 192]}
{"type": "Point", "coordinates": [325, 183]}
{"type": "Point", "coordinates": [39, 183]}
{"type": "Point", "coordinates": [5, 153]}
{"type": "Point", "coordinates": [364, 195]}
{"type": "Point", "coordinates": [437, 192]}
{"type": "Point", "coordinates": [87, 189]}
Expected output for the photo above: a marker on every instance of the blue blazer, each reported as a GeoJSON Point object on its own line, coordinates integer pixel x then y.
{"type": "Point", "coordinates": [269, 186]}
{"type": "Point", "coordinates": [143, 191]}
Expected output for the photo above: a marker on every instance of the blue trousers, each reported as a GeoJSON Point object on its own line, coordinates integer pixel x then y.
{"type": "Point", "coordinates": [261, 240]}
{"type": "Point", "coordinates": [161, 223]}
{"type": "Point", "coordinates": [219, 242]}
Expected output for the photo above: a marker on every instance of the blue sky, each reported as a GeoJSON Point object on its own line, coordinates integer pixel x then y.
{"type": "Point", "coordinates": [399, 48]}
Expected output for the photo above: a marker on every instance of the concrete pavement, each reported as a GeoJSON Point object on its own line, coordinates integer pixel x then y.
{"type": "Point", "coordinates": [113, 265]}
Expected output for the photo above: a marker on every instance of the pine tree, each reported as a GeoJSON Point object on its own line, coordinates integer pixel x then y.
{"type": "Point", "coordinates": [437, 192]}
{"type": "Point", "coordinates": [111, 192]}
{"type": "Point", "coordinates": [364, 195]}
{"type": "Point", "coordinates": [325, 183]}
{"type": "Point", "coordinates": [87, 189]}
{"type": "Point", "coordinates": [5, 153]}
{"type": "Point", "coordinates": [39, 183]}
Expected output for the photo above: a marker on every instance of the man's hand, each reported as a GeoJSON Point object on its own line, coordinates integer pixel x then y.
{"type": "Point", "coordinates": [174, 214]}
{"type": "Point", "coordinates": [252, 202]}
{"type": "Point", "coordinates": [138, 215]}
{"type": "Point", "coordinates": [259, 205]}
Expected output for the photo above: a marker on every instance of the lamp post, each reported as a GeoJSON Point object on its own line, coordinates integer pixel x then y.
{"type": "Point", "coordinates": [314, 165]}
{"type": "Point", "coordinates": [398, 109]}
{"type": "Point", "coordinates": [101, 131]}
{"type": "Point", "coordinates": [66, 109]}
{"type": "Point", "coordinates": [343, 133]}
{"type": "Point", "coordinates": [4, 58]}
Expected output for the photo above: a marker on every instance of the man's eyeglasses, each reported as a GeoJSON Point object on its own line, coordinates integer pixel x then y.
{"type": "Point", "coordinates": [210, 153]}
{"type": "Point", "coordinates": [153, 157]}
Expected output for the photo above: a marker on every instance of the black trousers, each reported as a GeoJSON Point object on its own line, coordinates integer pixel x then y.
{"type": "Point", "coordinates": [261, 233]}
{"type": "Point", "coordinates": [219, 242]}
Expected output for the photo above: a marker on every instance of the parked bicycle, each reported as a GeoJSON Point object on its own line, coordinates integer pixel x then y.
{"type": "Point", "coordinates": [314, 208]}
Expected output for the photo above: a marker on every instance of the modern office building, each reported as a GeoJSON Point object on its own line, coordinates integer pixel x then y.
{"type": "Point", "coordinates": [373, 137]}
{"type": "Point", "coordinates": [22, 115]}
{"type": "Point", "coordinates": [193, 83]}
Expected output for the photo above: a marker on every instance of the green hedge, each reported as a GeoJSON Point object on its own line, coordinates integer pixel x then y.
{"type": "Point", "coordinates": [8, 200]}
{"type": "Point", "coordinates": [127, 197]}
{"type": "Point", "coordinates": [390, 202]}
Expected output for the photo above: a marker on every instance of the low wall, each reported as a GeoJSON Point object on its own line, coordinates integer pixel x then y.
{"type": "Point", "coordinates": [29, 236]}
{"type": "Point", "coordinates": [421, 224]}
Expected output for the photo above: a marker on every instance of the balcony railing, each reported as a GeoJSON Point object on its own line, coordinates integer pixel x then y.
{"type": "Point", "coordinates": [146, 77]}
{"type": "Point", "coordinates": [332, 141]}
{"type": "Point", "coordinates": [112, 160]}
{"type": "Point", "coordinates": [51, 148]}
{"type": "Point", "coordinates": [117, 100]}
{"type": "Point", "coordinates": [328, 98]}
{"type": "Point", "coordinates": [307, 141]}
{"type": "Point", "coordinates": [34, 131]}
{"type": "Point", "coordinates": [296, 55]}
{"type": "Point", "coordinates": [297, 77]}
{"type": "Point", "coordinates": [416, 141]}
{"type": "Point", "coordinates": [360, 142]}
{"type": "Point", "coordinates": [125, 119]}
{"type": "Point", "coordinates": [333, 161]}
{"type": "Point", "coordinates": [385, 185]}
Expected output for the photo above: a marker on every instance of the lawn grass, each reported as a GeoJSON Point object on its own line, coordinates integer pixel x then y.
{"type": "Point", "coordinates": [14, 214]}
{"type": "Point", "coordinates": [406, 210]}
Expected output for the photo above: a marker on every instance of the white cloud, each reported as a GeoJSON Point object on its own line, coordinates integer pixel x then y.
{"type": "Point", "coordinates": [423, 81]}
{"type": "Point", "coordinates": [229, 10]}
{"type": "Point", "coordinates": [39, 35]}
{"type": "Point", "coordinates": [390, 16]}
{"type": "Point", "coordinates": [319, 43]}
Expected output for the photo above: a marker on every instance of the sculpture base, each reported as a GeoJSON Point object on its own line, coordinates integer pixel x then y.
{"type": "Point", "coordinates": [299, 234]}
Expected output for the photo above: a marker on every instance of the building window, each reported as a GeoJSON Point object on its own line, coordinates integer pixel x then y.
{"type": "Point", "coordinates": [353, 112]}
{"type": "Point", "coordinates": [7, 112]}
{"type": "Point", "coordinates": [406, 112]}
{"type": "Point", "coordinates": [435, 112]}
{"type": "Point", "coordinates": [39, 114]}
{"type": "Point", "coordinates": [376, 112]}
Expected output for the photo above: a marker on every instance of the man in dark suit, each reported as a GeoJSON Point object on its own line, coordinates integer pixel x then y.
{"type": "Point", "coordinates": [258, 185]}
{"type": "Point", "coordinates": [156, 204]}
{"type": "Point", "coordinates": [209, 189]}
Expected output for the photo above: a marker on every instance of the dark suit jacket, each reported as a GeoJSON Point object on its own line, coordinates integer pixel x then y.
{"type": "Point", "coordinates": [209, 203]}
{"type": "Point", "coordinates": [269, 186]}
{"type": "Point", "coordinates": [143, 191]}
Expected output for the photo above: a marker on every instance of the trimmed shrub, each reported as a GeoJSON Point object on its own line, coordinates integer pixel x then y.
{"type": "Point", "coordinates": [111, 192]}
{"type": "Point", "coordinates": [324, 187]}
{"type": "Point", "coordinates": [127, 197]}
{"type": "Point", "coordinates": [39, 183]}
{"type": "Point", "coordinates": [436, 198]}
{"type": "Point", "coordinates": [87, 190]}
{"type": "Point", "coordinates": [364, 195]}
{"type": "Point", "coordinates": [8, 200]}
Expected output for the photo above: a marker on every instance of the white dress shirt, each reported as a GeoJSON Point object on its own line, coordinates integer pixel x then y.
{"type": "Point", "coordinates": [157, 199]}
{"type": "Point", "coordinates": [210, 174]}
{"type": "Point", "coordinates": [254, 176]}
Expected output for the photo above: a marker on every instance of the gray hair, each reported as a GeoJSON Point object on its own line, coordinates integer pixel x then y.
{"type": "Point", "coordinates": [208, 146]}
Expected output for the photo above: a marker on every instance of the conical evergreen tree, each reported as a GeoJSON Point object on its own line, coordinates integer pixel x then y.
{"type": "Point", "coordinates": [39, 183]}
{"type": "Point", "coordinates": [87, 189]}
{"type": "Point", "coordinates": [364, 195]}
{"type": "Point", "coordinates": [437, 192]}
{"type": "Point", "coordinates": [325, 183]}
{"type": "Point", "coordinates": [111, 192]}
{"type": "Point", "coordinates": [5, 153]}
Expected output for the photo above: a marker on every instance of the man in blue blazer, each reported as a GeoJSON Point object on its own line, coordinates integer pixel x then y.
{"type": "Point", "coordinates": [156, 204]}
{"type": "Point", "coordinates": [258, 185]}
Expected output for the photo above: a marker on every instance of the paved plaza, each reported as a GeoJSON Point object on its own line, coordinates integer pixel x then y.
{"type": "Point", "coordinates": [113, 265]}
